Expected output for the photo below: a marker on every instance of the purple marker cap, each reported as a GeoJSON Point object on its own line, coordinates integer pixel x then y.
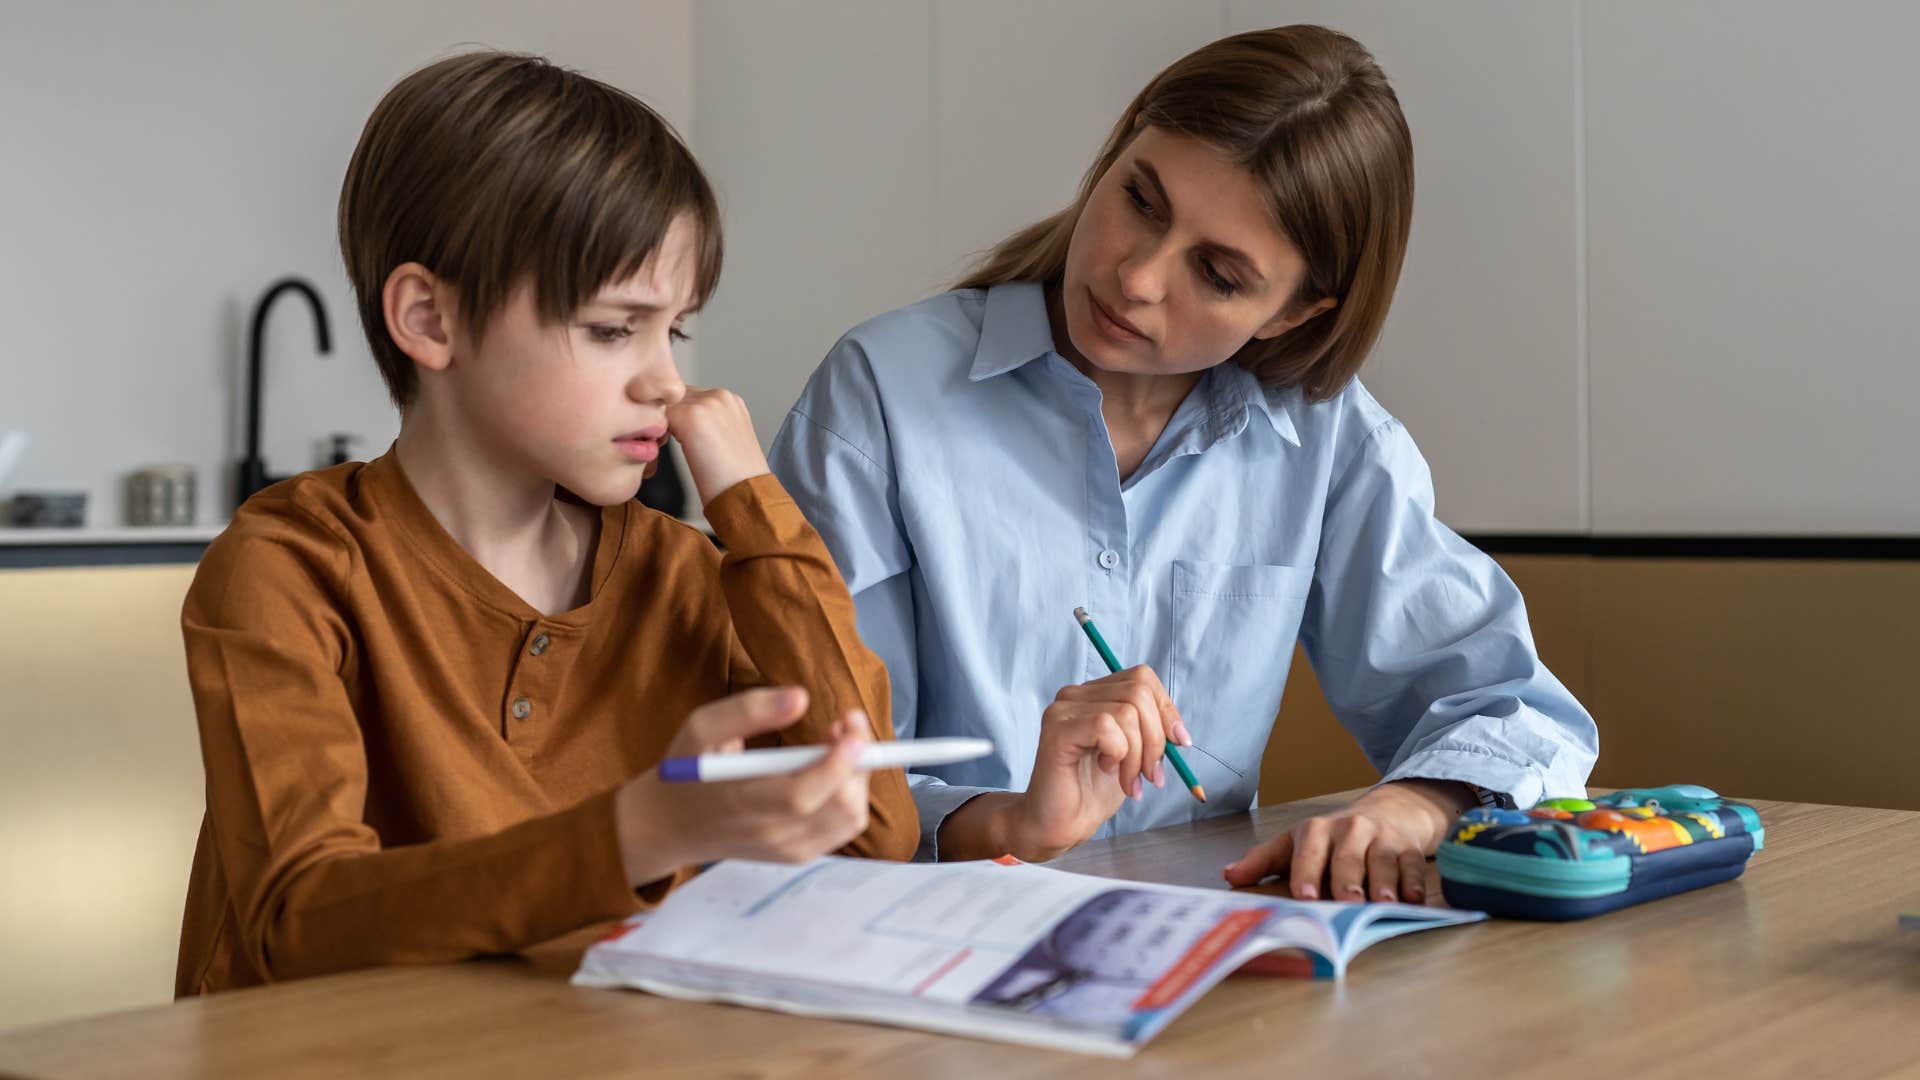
{"type": "Point", "coordinates": [680, 769]}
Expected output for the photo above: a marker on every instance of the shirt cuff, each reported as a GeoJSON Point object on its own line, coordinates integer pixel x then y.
{"type": "Point", "coordinates": [756, 516]}
{"type": "Point", "coordinates": [590, 830]}
{"type": "Point", "coordinates": [935, 799]}
{"type": "Point", "coordinates": [1526, 783]}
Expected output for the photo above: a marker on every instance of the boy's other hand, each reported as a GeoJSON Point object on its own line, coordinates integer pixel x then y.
{"type": "Point", "coordinates": [716, 435]}
{"type": "Point", "coordinates": [1375, 847]}
{"type": "Point", "coordinates": [788, 818]}
{"type": "Point", "coordinates": [724, 726]}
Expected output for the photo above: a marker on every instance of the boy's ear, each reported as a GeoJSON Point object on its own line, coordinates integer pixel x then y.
{"type": "Point", "coordinates": [1290, 317]}
{"type": "Point", "coordinates": [419, 312]}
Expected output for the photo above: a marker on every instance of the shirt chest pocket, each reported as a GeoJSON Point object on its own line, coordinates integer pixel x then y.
{"type": "Point", "coordinates": [1232, 638]}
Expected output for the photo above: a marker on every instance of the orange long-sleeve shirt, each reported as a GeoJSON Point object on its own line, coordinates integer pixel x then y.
{"type": "Point", "coordinates": [407, 763]}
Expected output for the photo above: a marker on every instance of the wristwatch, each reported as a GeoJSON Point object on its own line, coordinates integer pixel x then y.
{"type": "Point", "coordinates": [1493, 800]}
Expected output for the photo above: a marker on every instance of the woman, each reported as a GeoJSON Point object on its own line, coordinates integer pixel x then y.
{"type": "Point", "coordinates": [1146, 405]}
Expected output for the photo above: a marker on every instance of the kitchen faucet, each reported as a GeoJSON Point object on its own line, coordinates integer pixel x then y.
{"type": "Point", "coordinates": [253, 470]}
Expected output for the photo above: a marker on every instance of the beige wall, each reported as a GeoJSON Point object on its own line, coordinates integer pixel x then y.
{"type": "Point", "coordinates": [1777, 679]}
{"type": "Point", "coordinates": [1780, 679]}
{"type": "Point", "coordinates": [100, 789]}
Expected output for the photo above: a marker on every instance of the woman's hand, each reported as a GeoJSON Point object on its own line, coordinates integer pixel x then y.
{"type": "Point", "coordinates": [716, 435]}
{"type": "Point", "coordinates": [790, 818]}
{"type": "Point", "coordinates": [1376, 846]}
{"type": "Point", "coordinates": [1100, 742]}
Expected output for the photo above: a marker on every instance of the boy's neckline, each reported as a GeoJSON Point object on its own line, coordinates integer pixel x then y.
{"type": "Point", "coordinates": [391, 489]}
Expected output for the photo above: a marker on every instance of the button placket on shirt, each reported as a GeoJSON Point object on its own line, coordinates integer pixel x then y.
{"type": "Point", "coordinates": [529, 682]}
{"type": "Point", "coordinates": [1109, 585]}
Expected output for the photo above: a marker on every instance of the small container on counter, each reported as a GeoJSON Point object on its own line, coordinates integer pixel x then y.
{"type": "Point", "coordinates": [47, 510]}
{"type": "Point", "coordinates": [162, 495]}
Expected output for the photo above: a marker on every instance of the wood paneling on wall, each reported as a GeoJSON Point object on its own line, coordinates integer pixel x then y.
{"type": "Point", "coordinates": [1777, 679]}
{"type": "Point", "coordinates": [100, 789]}
{"type": "Point", "coordinates": [1764, 678]}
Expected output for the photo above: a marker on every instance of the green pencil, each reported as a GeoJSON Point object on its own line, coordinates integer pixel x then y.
{"type": "Point", "coordinates": [1113, 665]}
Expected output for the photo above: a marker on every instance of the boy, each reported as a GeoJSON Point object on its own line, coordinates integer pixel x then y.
{"type": "Point", "coordinates": [431, 687]}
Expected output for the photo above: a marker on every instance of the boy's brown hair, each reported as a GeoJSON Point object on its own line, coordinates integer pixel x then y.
{"type": "Point", "coordinates": [491, 168]}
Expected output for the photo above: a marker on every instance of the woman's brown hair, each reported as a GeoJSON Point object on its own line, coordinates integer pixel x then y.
{"type": "Point", "coordinates": [491, 168]}
{"type": "Point", "coordinates": [1311, 115]}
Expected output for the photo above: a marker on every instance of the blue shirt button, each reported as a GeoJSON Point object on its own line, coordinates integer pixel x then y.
{"type": "Point", "coordinates": [1109, 559]}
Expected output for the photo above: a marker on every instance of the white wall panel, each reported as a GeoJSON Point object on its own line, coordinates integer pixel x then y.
{"type": "Point", "coordinates": [1753, 223]}
{"type": "Point", "coordinates": [162, 164]}
{"type": "Point", "coordinates": [815, 123]}
{"type": "Point", "coordinates": [1481, 355]}
{"type": "Point", "coordinates": [1025, 94]}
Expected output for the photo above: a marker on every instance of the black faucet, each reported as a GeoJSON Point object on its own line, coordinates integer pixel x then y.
{"type": "Point", "coordinates": [253, 470]}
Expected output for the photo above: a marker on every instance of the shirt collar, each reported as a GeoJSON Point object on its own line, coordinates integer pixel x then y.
{"type": "Point", "coordinates": [1234, 392]}
{"type": "Point", "coordinates": [1014, 332]}
{"type": "Point", "coordinates": [397, 506]}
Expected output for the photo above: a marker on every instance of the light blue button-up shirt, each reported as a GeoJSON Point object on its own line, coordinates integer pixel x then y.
{"type": "Point", "coordinates": [961, 473]}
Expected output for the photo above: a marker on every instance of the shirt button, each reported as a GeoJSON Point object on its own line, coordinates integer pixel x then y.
{"type": "Point", "coordinates": [522, 708]}
{"type": "Point", "coordinates": [539, 644]}
{"type": "Point", "coordinates": [1109, 559]}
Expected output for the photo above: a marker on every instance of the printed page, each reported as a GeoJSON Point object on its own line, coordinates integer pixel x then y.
{"type": "Point", "coordinates": [1000, 950]}
{"type": "Point", "coordinates": [942, 932]}
{"type": "Point", "coordinates": [1002, 942]}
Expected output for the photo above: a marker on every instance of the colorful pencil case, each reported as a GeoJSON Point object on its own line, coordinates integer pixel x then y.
{"type": "Point", "coordinates": [1571, 858]}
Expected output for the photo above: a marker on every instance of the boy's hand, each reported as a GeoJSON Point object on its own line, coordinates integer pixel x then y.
{"type": "Point", "coordinates": [1100, 742]}
{"type": "Point", "coordinates": [789, 818]}
{"type": "Point", "coordinates": [1376, 847]}
{"type": "Point", "coordinates": [716, 435]}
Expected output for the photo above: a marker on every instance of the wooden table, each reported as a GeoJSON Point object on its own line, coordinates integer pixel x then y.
{"type": "Point", "coordinates": [1798, 969]}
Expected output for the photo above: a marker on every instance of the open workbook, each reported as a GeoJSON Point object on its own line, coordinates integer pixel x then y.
{"type": "Point", "coordinates": [998, 950]}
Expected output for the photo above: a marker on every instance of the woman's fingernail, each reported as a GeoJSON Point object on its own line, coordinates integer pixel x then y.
{"type": "Point", "coordinates": [1228, 869]}
{"type": "Point", "coordinates": [1356, 891]}
{"type": "Point", "coordinates": [1416, 895]}
{"type": "Point", "coordinates": [1308, 892]}
{"type": "Point", "coordinates": [1386, 896]}
{"type": "Point", "coordinates": [1180, 734]}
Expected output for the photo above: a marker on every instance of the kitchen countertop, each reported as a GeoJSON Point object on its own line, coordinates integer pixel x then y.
{"type": "Point", "coordinates": [128, 534]}
{"type": "Point", "coordinates": [126, 545]}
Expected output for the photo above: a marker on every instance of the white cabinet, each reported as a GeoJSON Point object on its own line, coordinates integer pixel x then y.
{"type": "Point", "coordinates": [1024, 95]}
{"type": "Point", "coordinates": [1752, 170]}
{"type": "Point", "coordinates": [1481, 356]}
{"type": "Point", "coordinates": [814, 121]}
{"type": "Point", "coordinates": [1659, 268]}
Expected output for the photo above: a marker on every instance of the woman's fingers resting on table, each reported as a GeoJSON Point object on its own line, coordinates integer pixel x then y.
{"type": "Point", "coordinates": [1375, 848]}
